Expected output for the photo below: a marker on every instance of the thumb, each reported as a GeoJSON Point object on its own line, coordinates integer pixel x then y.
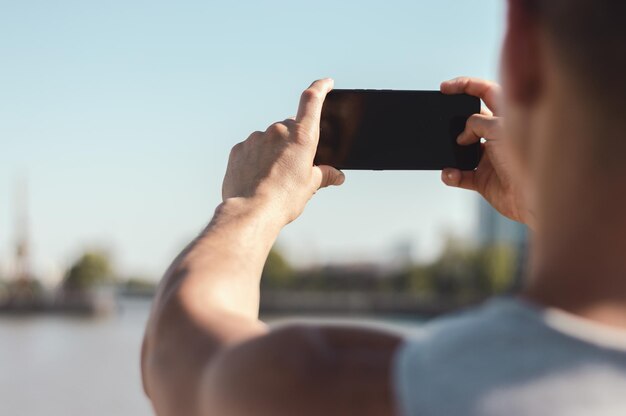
{"type": "Point", "coordinates": [327, 176]}
{"type": "Point", "coordinates": [459, 178]}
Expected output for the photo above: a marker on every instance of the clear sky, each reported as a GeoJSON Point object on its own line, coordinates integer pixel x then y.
{"type": "Point", "coordinates": [121, 113]}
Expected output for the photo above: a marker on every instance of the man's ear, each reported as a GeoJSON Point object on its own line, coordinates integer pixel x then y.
{"type": "Point", "coordinates": [522, 64]}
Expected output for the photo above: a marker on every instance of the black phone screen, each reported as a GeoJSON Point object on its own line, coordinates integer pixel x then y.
{"type": "Point", "coordinates": [396, 130]}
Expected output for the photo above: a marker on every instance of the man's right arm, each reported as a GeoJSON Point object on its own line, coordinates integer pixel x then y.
{"type": "Point", "coordinates": [207, 353]}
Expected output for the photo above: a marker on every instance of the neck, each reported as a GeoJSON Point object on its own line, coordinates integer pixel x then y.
{"type": "Point", "coordinates": [581, 271]}
{"type": "Point", "coordinates": [578, 257]}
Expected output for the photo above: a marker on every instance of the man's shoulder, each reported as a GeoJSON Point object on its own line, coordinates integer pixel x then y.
{"type": "Point", "coordinates": [496, 324]}
{"type": "Point", "coordinates": [504, 345]}
{"type": "Point", "coordinates": [506, 324]}
{"type": "Point", "coordinates": [503, 328]}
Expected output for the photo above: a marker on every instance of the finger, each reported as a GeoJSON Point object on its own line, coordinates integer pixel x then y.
{"type": "Point", "coordinates": [289, 122]}
{"type": "Point", "coordinates": [481, 126]}
{"type": "Point", "coordinates": [281, 128]}
{"type": "Point", "coordinates": [278, 129]}
{"type": "Point", "coordinates": [311, 101]}
{"type": "Point", "coordinates": [465, 179]}
{"type": "Point", "coordinates": [327, 176]}
{"type": "Point", "coordinates": [488, 91]}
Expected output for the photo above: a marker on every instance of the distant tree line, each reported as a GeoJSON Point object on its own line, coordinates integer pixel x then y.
{"type": "Point", "coordinates": [461, 272]}
{"type": "Point", "coordinates": [91, 269]}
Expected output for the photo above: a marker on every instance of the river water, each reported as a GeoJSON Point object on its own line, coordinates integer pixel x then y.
{"type": "Point", "coordinates": [63, 366]}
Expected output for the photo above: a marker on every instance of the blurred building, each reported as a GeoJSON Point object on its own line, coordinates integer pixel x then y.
{"type": "Point", "coordinates": [22, 269]}
{"type": "Point", "coordinates": [494, 228]}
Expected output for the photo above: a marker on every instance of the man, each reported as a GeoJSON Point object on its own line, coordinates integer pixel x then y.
{"type": "Point", "coordinates": [557, 164]}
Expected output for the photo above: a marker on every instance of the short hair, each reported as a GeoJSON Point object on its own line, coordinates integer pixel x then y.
{"type": "Point", "coordinates": [590, 37]}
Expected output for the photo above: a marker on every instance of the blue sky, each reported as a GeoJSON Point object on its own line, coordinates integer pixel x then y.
{"type": "Point", "coordinates": [120, 114]}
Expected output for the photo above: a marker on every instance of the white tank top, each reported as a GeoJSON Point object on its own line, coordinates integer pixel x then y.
{"type": "Point", "coordinates": [509, 358]}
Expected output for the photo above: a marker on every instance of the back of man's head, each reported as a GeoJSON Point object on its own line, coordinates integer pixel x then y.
{"type": "Point", "coordinates": [590, 39]}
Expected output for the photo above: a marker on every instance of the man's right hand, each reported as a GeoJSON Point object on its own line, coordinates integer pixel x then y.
{"type": "Point", "coordinates": [493, 178]}
{"type": "Point", "coordinates": [274, 169]}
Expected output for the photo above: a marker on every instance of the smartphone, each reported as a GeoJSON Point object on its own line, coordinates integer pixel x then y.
{"type": "Point", "coordinates": [396, 130]}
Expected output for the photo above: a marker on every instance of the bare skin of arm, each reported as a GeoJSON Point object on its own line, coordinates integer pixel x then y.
{"type": "Point", "coordinates": [205, 350]}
